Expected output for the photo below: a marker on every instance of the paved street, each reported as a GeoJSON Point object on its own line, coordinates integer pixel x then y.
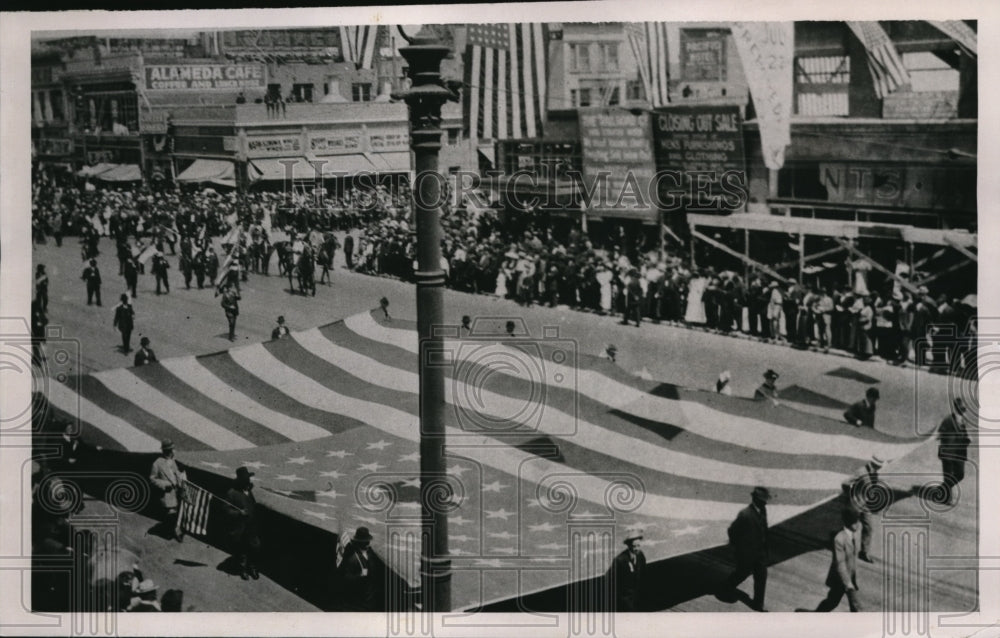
{"type": "Point", "coordinates": [192, 322]}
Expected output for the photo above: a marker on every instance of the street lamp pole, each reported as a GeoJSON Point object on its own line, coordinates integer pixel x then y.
{"type": "Point", "coordinates": [425, 97]}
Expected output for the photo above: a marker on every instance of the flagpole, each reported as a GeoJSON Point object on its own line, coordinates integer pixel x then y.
{"type": "Point", "coordinates": [425, 99]}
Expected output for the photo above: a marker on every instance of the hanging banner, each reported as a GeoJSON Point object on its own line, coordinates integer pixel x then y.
{"type": "Point", "coordinates": [767, 50]}
{"type": "Point", "coordinates": [618, 163]}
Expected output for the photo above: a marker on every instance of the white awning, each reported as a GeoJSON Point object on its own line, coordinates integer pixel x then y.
{"type": "Point", "coordinates": [96, 169]}
{"type": "Point", "coordinates": [206, 170]}
{"type": "Point", "coordinates": [331, 166]}
{"type": "Point", "coordinates": [122, 173]}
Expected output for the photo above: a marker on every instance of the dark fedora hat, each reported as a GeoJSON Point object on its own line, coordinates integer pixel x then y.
{"type": "Point", "coordinates": [242, 473]}
{"type": "Point", "coordinates": [362, 535]}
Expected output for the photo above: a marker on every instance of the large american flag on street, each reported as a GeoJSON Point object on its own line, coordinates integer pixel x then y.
{"type": "Point", "coordinates": [505, 80]}
{"type": "Point", "coordinates": [543, 444]}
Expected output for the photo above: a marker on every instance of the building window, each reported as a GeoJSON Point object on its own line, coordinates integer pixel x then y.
{"type": "Point", "coordinates": [929, 72]}
{"type": "Point", "coordinates": [361, 92]}
{"type": "Point", "coordinates": [821, 85]}
{"type": "Point", "coordinates": [302, 92]}
{"type": "Point", "coordinates": [579, 97]}
{"type": "Point", "coordinates": [274, 90]}
{"type": "Point", "coordinates": [579, 57]}
{"type": "Point", "coordinates": [453, 136]}
{"type": "Point", "coordinates": [634, 90]}
{"type": "Point", "coordinates": [58, 110]}
{"type": "Point", "coordinates": [614, 98]}
{"type": "Point", "coordinates": [609, 56]}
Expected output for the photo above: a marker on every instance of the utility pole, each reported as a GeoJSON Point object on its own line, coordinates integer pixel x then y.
{"type": "Point", "coordinates": [425, 97]}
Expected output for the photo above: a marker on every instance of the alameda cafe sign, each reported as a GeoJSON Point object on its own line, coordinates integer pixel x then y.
{"type": "Point", "coordinates": [166, 77]}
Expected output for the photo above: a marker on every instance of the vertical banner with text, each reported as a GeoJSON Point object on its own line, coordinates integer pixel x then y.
{"type": "Point", "coordinates": [767, 50]}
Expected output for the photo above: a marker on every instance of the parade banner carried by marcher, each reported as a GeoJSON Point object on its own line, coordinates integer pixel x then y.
{"type": "Point", "coordinates": [767, 51]}
{"type": "Point", "coordinates": [328, 420]}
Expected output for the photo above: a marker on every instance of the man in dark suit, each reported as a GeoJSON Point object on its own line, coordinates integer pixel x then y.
{"type": "Point", "coordinates": [130, 269]}
{"type": "Point", "coordinates": [627, 572]}
{"type": "Point", "coordinates": [125, 321]}
{"type": "Point", "coordinates": [159, 269]}
{"type": "Point", "coordinates": [748, 536]}
{"type": "Point", "coordinates": [243, 530]}
{"type": "Point", "coordinates": [92, 275]}
{"type": "Point", "coordinates": [767, 390]}
{"type": "Point", "coordinates": [953, 447]}
{"type": "Point", "coordinates": [145, 355]}
{"type": "Point", "coordinates": [862, 413]}
{"type": "Point", "coordinates": [842, 577]}
{"type": "Point", "coordinates": [355, 572]}
{"type": "Point", "coordinates": [280, 331]}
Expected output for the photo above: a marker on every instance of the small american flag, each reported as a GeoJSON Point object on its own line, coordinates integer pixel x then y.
{"type": "Point", "coordinates": [884, 62]}
{"type": "Point", "coordinates": [505, 78]}
{"type": "Point", "coordinates": [193, 516]}
{"type": "Point", "coordinates": [648, 41]}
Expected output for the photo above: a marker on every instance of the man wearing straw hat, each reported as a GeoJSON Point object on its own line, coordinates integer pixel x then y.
{"type": "Point", "coordinates": [627, 572]}
{"type": "Point", "coordinates": [748, 536]}
{"type": "Point", "coordinates": [169, 480]}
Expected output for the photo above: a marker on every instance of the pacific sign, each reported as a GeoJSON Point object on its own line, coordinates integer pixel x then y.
{"type": "Point", "coordinates": [170, 77]}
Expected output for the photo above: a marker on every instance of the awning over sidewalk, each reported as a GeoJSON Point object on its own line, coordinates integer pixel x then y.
{"type": "Point", "coordinates": [328, 167]}
{"type": "Point", "coordinates": [96, 169]}
{"type": "Point", "coordinates": [206, 170]}
{"type": "Point", "coordinates": [122, 173]}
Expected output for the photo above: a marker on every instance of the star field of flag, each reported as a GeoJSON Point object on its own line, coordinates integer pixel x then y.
{"type": "Point", "coordinates": [328, 421]}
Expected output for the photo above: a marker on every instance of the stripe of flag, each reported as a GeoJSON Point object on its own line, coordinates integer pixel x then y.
{"type": "Point", "coordinates": [505, 80]}
{"type": "Point", "coordinates": [358, 44]}
{"type": "Point", "coordinates": [648, 41]}
{"type": "Point", "coordinates": [961, 33]}
{"type": "Point", "coordinates": [193, 515]}
{"type": "Point", "coordinates": [884, 61]}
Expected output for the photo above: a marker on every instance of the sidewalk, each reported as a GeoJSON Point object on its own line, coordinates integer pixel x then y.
{"type": "Point", "coordinates": [196, 568]}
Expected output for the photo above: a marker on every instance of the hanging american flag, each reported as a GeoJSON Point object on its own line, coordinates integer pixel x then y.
{"type": "Point", "coordinates": [888, 72]}
{"type": "Point", "coordinates": [505, 79]}
{"type": "Point", "coordinates": [648, 41]}
{"type": "Point", "coordinates": [960, 32]}
{"type": "Point", "coordinates": [193, 516]}
{"type": "Point", "coordinates": [358, 44]}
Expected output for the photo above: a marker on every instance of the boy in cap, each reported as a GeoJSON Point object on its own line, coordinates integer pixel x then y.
{"type": "Point", "coordinates": [145, 355]}
{"type": "Point", "coordinates": [243, 531]}
{"type": "Point", "coordinates": [748, 537]}
{"type": "Point", "coordinates": [280, 331]}
{"type": "Point", "coordinates": [862, 413]}
{"type": "Point", "coordinates": [767, 390]}
{"type": "Point", "coordinates": [627, 572]}
{"type": "Point", "coordinates": [168, 479]}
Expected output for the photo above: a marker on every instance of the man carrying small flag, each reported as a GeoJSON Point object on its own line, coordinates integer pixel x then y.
{"type": "Point", "coordinates": [169, 480]}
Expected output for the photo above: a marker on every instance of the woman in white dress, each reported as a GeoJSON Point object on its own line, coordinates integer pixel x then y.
{"type": "Point", "coordinates": [603, 277]}
{"type": "Point", "coordinates": [695, 308]}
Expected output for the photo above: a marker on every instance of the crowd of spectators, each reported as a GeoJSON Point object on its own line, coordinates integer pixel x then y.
{"type": "Point", "coordinates": [523, 259]}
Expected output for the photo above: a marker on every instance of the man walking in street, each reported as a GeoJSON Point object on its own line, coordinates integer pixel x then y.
{"type": "Point", "coordinates": [842, 576]}
{"type": "Point", "coordinates": [231, 306]}
{"type": "Point", "coordinates": [862, 496]}
{"type": "Point", "coordinates": [168, 479]}
{"type": "Point", "coordinates": [280, 331]}
{"type": "Point", "coordinates": [243, 531]}
{"type": "Point", "coordinates": [748, 537]}
{"type": "Point", "coordinates": [125, 321]}
{"type": "Point", "coordinates": [92, 275]}
{"type": "Point", "coordinates": [953, 448]}
{"type": "Point", "coordinates": [862, 413]}
{"type": "Point", "coordinates": [159, 269]}
{"type": "Point", "coordinates": [130, 270]}
{"type": "Point", "coordinates": [357, 579]}
{"type": "Point", "coordinates": [145, 355]}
